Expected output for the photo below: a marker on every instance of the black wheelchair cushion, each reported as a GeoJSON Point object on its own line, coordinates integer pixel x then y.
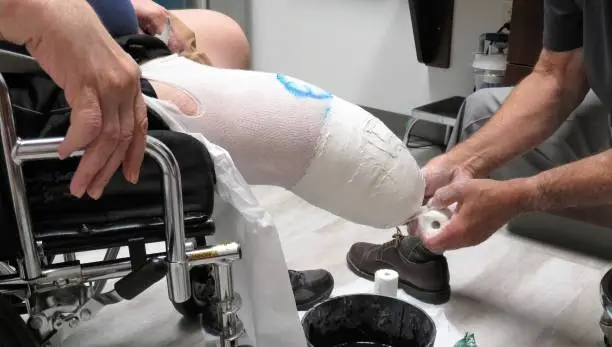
{"type": "Point", "coordinates": [125, 210]}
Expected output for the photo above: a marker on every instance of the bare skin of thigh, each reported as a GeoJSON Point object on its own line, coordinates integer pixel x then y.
{"type": "Point", "coordinates": [218, 36]}
{"type": "Point", "coordinates": [178, 97]}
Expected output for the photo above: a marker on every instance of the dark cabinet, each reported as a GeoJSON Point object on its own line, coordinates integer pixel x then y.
{"type": "Point", "coordinates": [525, 41]}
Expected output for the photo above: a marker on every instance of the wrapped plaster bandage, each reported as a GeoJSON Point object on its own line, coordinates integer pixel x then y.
{"type": "Point", "coordinates": [285, 132]}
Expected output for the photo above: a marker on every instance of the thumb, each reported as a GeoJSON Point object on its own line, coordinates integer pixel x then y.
{"type": "Point", "coordinates": [447, 195]}
{"type": "Point", "coordinates": [434, 178]}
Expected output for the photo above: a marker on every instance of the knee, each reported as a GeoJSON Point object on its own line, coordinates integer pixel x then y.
{"type": "Point", "coordinates": [480, 106]}
{"type": "Point", "coordinates": [230, 41]}
{"type": "Point", "coordinates": [591, 106]}
{"type": "Point", "coordinates": [219, 37]}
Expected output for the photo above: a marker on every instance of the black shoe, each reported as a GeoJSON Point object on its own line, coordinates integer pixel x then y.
{"type": "Point", "coordinates": [422, 274]}
{"type": "Point", "coordinates": [310, 287]}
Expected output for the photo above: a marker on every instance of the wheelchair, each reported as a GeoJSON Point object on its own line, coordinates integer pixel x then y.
{"type": "Point", "coordinates": [45, 292]}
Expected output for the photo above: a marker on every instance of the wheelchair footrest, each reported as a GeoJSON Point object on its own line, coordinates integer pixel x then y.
{"type": "Point", "coordinates": [141, 279]}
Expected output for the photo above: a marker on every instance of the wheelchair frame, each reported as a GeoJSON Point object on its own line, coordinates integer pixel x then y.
{"type": "Point", "coordinates": [58, 297]}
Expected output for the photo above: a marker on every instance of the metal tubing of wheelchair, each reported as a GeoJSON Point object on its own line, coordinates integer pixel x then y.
{"type": "Point", "coordinates": [179, 283]}
{"type": "Point", "coordinates": [111, 254]}
{"type": "Point", "coordinates": [110, 269]}
{"type": "Point", "coordinates": [179, 287]}
{"type": "Point", "coordinates": [215, 254]}
{"type": "Point", "coordinates": [31, 261]}
{"type": "Point", "coordinates": [12, 284]}
{"type": "Point", "coordinates": [227, 306]}
{"type": "Point", "coordinates": [89, 272]}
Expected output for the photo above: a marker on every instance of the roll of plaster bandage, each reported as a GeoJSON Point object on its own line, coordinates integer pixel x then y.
{"type": "Point", "coordinates": [386, 282]}
{"type": "Point", "coordinates": [285, 132]}
{"type": "Point", "coordinates": [432, 221]}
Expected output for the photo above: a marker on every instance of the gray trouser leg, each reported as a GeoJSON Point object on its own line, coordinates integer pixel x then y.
{"type": "Point", "coordinates": [586, 132]}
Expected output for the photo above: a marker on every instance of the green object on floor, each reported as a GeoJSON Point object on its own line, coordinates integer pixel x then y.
{"type": "Point", "coordinates": [467, 341]}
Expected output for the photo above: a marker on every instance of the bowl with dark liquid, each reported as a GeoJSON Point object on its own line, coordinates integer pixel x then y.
{"type": "Point", "coordinates": [367, 320]}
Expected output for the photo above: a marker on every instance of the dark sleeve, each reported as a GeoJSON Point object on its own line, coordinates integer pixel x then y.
{"type": "Point", "coordinates": [562, 25]}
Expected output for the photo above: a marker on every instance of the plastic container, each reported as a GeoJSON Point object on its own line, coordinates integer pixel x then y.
{"type": "Point", "coordinates": [489, 70]}
{"type": "Point", "coordinates": [368, 320]}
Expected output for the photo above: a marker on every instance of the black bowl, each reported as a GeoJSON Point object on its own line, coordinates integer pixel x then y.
{"type": "Point", "coordinates": [368, 320]}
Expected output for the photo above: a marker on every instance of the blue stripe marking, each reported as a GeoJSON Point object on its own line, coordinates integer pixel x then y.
{"type": "Point", "coordinates": [303, 90]}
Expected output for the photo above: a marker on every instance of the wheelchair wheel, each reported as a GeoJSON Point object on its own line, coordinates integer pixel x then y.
{"type": "Point", "coordinates": [13, 330]}
{"type": "Point", "coordinates": [200, 306]}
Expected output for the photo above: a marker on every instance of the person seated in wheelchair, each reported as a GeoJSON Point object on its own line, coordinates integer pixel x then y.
{"type": "Point", "coordinates": [279, 130]}
{"type": "Point", "coordinates": [225, 47]}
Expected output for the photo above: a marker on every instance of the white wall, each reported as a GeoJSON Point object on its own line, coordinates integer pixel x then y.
{"type": "Point", "coordinates": [239, 10]}
{"type": "Point", "coordinates": [363, 50]}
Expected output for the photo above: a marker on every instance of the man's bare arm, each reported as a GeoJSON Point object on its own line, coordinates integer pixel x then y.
{"type": "Point", "coordinates": [16, 19]}
{"type": "Point", "coordinates": [108, 115]}
{"type": "Point", "coordinates": [531, 114]}
{"type": "Point", "coordinates": [583, 183]}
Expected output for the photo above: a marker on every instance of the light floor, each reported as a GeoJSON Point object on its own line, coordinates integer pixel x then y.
{"type": "Point", "coordinates": [509, 291]}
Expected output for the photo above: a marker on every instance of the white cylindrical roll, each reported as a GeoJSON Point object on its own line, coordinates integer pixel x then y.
{"type": "Point", "coordinates": [432, 221]}
{"type": "Point", "coordinates": [386, 282]}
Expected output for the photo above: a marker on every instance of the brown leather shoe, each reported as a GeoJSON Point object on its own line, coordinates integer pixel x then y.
{"type": "Point", "coordinates": [422, 274]}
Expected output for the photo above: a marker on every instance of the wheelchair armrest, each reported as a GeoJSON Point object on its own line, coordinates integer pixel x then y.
{"type": "Point", "coordinates": [14, 62]}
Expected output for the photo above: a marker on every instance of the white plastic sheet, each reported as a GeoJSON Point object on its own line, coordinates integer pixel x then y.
{"type": "Point", "coordinates": [261, 278]}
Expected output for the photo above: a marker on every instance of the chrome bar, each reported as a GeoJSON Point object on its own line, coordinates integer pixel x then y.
{"type": "Point", "coordinates": [12, 280]}
{"type": "Point", "coordinates": [12, 284]}
{"type": "Point", "coordinates": [215, 254]}
{"type": "Point", "coordinates": [60, 276]}
{"type": "Point", "coordinates": [89, 272]}
{"type": "Point", "coordinates": [179, 288]}
{"type": "Point", "coordinates": [111, 269]}
{"type": "Point", "coordinates": [111, 254]}
{"type": "Point", "coordinates": [228, 302]}
{"type": "Point", "coordinates": [227, 305]}
{"type": "Point", "coordinates": [31, 261]}
{"type": "Point", "coordinates": [73, 274]}
{"type": "Point", "coordinates": [39, 149]}
{"type": "Point", "coordinates": [106, 271]}
{"type": "Point", "coordinates": [179, 284]}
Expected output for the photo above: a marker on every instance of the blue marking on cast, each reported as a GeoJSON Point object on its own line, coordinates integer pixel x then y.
{"type": "Point", "coordinates": [326, 112]}
{"type": "Point", "coordinates": [302, 89]}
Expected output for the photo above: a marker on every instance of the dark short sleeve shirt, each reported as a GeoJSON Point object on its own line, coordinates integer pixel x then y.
{"type": "Point", "coordinates": [118, 16]}
{"type": "Point", "coordinates": [562, 25]}
{"type": "Point", "coordinates": [586, 24]}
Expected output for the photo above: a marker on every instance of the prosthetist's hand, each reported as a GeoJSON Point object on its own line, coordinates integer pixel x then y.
{"type": "Point", "coordinates": [153, 19]}
{"type": "Point", "coordinates": [483, 206]}
{"type": "Point", "coordinates": [441, 171]}
{"type": "Point", "coordinates": [101, 84]}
